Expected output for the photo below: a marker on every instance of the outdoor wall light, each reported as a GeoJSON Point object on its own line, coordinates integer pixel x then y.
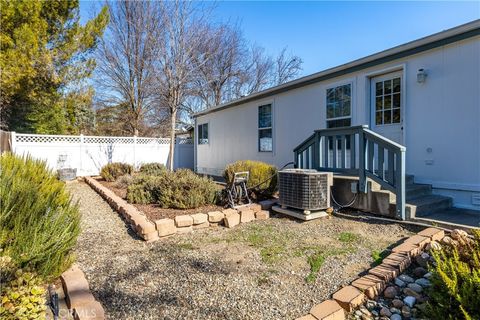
{"type": "Point", "coordinates": [421, 75]}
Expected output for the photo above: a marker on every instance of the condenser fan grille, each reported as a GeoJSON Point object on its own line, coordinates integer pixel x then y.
{"type": "Point", "coordinates": [304, 189]}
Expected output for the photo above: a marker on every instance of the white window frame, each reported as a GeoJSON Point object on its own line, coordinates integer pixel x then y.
{"type": "Point", "coordinates": [208, 133]}
{"type": "Point", "coordinates": [265, 128]}
{"type": "Point", "coordinates": [336, 85]}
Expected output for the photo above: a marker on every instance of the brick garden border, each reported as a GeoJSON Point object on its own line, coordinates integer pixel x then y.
{"type": "Point", "coordinates": [78, 296]}
{"type": "Point", "coordinates": [372, 285]}
{"type": "Point", "coordinates": [150, 230]}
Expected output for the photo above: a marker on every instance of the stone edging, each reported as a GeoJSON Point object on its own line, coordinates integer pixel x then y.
{"type": "Point", "coordinates": [371, 285]}
{"type": "Point", "coordinates": [153, 230]}
{"type": "Point", "coordinates": [78, 297]}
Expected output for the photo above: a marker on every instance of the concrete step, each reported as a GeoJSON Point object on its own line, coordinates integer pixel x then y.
{"type": "Point", "coordinates": [453, 218]}
{"type": "Point", "coordinates": [412, 192]}
{"type": "Point", "coordinates": [409, 179]}
{"type": "Point", "coordinates": [427, 204]}
{"type": "Point", "coordinates": [416, 190]}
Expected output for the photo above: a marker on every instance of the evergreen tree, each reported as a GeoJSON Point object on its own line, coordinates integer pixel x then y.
{"type": "Point", "coordinates": [45, 59]}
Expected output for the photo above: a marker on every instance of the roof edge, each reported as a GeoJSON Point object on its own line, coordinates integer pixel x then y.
{"type": "Point", "coordinates": [464, 31]}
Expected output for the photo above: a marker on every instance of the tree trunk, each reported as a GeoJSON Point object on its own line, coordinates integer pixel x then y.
{"type": "Point", "coordinates": [173, 121]}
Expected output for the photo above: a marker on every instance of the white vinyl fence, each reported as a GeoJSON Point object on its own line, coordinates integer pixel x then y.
{"type": "Point", "coordinates": [88, 154]}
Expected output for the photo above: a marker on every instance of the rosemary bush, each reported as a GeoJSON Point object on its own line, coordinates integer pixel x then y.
{"type": "Point", "coordinates": [39, 224]}
{"type": "Point", "coordinates": [455, 290]}
{"type": "Point", "coordinates": [153, 168]}
{"type": "Point", "coordinates": [114, 170]}
{"type": "Point", "coordinates": [181, 189]}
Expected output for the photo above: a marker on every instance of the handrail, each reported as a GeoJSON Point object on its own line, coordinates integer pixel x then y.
{"type": "Point", "coordinates": [359, 151]}
{"type": "Point", "coordinates": [393, 144]}
{"type": "Point", "coordinates": [305, 142]}
{"type": "Point", "coordinates": [342, 129]}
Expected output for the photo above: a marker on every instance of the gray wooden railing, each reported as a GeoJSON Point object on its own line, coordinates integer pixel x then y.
{"type": "Point", "coordinates": [357, 151]}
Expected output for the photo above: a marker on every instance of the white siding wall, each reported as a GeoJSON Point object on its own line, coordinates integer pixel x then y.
{"type": "Point", "coordinates": [442, 114]}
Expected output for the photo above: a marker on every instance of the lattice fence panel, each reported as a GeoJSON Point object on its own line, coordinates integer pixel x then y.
{"type": "Point", "coordinates": [153, 141]}
{"type": "Point", "coordinates": [109, 140]}
{"type": "Point", "coordinates": [30, 138]}
{"type": "Point", "coordinates": [184, 141]}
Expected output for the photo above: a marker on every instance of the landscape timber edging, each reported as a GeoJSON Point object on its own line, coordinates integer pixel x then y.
{"type": "Point", "coordinates": [78, 297]}
{"type": "Point", "coordinates": [372, 284]}
{"type": "Point", "coordinates": [150, 230]}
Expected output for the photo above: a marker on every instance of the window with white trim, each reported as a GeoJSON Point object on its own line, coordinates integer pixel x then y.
{"type": "Point", "coordinates": [339, 106]}
{"type": "Point", "coordinates": [265, 138]}
{"type": "Point", "coordinates": [203, 133]}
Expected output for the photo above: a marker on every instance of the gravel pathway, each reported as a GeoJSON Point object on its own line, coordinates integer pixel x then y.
{"type": "Point", "coordinates": [255, 271]}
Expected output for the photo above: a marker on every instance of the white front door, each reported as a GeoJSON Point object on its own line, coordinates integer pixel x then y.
{"type": "Point", "coordinates": [387, 106]}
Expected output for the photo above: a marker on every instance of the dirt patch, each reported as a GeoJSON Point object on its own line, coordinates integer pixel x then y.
{"type": "Point", "coordinates": [154, 211]}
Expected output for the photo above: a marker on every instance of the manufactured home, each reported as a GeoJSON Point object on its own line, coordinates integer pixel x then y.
{"type": "Point", "coordinates": [407, 118]}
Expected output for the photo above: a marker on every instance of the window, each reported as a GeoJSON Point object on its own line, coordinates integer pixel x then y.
{"type": "Point", "coordinates": [203, 133]}
{"type": "Point", "coordinates": [265, 140]}
{"type": "Point", "coordinates": [387, 101]}
{"type": "Point", "coordinates": [339, 105]}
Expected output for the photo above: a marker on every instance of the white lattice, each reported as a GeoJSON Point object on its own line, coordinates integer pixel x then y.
{"type": "Point", "coordinates": [109, 140]}
{"type": "Point", "coordinates": [36, 138]}
{"type": "Point", "coordinates": [153, 141]}
{"type": "Point", "coordinates": [184, 141]}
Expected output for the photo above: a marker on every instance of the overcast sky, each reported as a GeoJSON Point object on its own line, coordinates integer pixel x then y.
{"type": "Point", "coordinates": [326, 34]}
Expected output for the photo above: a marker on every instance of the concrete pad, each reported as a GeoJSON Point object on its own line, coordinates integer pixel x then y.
{"type": "Point", "coordinates": [299, 214]}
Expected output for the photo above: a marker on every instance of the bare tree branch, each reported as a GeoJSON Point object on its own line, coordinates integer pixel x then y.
{"type": "Point", "coordinates": [126, 58]}
{"type": "Point", "coordinates": [286, 67]}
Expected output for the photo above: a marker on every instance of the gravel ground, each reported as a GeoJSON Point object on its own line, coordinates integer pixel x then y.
{"type": "Point", "coordinates": [254, 271]}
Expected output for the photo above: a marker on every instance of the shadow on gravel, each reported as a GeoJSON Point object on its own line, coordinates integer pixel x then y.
{"type": "Point", "coordinates": [153, 305]}
{"type": "Point", "coordinates": [130, 231]}
{"type": "Point", "coordinates": [188, 263]}
{"type": "Point", "coordinates": [154, 300]}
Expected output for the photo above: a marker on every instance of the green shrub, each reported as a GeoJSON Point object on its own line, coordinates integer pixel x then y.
{"type": "Point", "coordinates": [123, 181]}
{"type": "Point", "coordinates": [455, 290]}
{"type": "Point", "coordinates": [22, 294]}
{"type": "Point", "coordinates": [263, 176]}
{"type": "Point", "coordinates": [143, 189]}
{"type": "Point", "coordinates": [114, 170]}
{"type": "Point", "coordinates": [39, 224]}
{"type": "Point", "coordinates": [153, 168]}
{"type": "Point", "coordinates": [182, 189]}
